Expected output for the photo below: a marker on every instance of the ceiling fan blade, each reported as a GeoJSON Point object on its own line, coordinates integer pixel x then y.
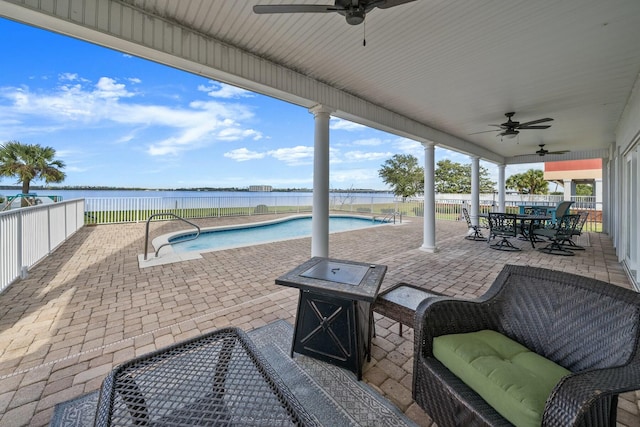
{"type": "Point", "coordinates": [486, 131]}
{"type": "Point", "coordinates": [558, 152]}
{"type": "Point", "coordinates": [534, 127]}
{"type": "Point", "coordinates": [533, 122]}
{"type": "Point", "coordinates": [295, 8]}
{"type": "Point", "coordinates": [391, 3]}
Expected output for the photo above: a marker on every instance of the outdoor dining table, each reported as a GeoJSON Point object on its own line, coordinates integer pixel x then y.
{"type": "Point", "coordinates": [527, 224]}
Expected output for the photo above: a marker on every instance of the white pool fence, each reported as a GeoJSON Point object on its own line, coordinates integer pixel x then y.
{"type": "Point", "coordinates": [29, 234]}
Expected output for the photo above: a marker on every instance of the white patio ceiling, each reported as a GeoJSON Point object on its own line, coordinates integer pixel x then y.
{"type": "Point", "coordinates": [431, 69]}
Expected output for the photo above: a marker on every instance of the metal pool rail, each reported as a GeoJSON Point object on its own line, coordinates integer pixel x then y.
{"type": "Point", "coordinates": [146, 233]}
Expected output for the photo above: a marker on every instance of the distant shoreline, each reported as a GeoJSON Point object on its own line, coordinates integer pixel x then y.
{"type": "Point", "coordinates": [101, 188]}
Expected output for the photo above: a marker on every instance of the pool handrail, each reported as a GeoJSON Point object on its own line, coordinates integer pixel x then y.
{"type": "Point", "coordinates": [146, 233]}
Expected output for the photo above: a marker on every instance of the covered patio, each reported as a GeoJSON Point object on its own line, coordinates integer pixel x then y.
{"type": "Point", "coordinates": [89, 307]}
{"type": "Point", "coordinates": [437, 72]}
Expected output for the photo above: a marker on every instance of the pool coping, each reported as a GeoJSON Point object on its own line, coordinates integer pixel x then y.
{"type": "Point", "coordinates": [168, 256]}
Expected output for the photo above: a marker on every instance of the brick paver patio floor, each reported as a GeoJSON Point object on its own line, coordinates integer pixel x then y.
{"type": "Point", "coordinates": [88, 306]}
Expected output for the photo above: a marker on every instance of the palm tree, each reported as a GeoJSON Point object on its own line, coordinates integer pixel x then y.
{"type": "Point", "coordinates": [529, 182]}
{"type": "Point", "coordinates": [29, 162]}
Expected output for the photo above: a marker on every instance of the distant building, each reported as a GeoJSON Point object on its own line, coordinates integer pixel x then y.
{"type": "Point", "coordinates": [260, 188]}
{"type": "Point", "coordinates": [571, 172]}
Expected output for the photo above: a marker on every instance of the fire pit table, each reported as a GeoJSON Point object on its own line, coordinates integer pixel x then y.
{"type": "Point", "coordinates": [334, 309]}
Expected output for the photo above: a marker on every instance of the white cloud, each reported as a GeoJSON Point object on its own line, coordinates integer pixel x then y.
{"type": "Point", "coordinates": [340, 124]}
{"type": "Point", "coordinates": [108, 88]}
{"type": "Point", "coordinates": [68, 76]}
{"type": "Point", "coordinates": [222, 90]}
{"type": "Point", "coordinates": [74, 105]}
{"type": "Point", "coordinates": [363, 156]}
{"type": "Point", "coordinates": [243, 154]}
{"type": "Point", "coordinates": [293, 156]}
{"type": "Point", "coordinates": [409, 146]}
{"type": "Point", "coordinates": [235, 134]}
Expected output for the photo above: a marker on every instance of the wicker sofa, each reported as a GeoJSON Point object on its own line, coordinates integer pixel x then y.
{"type": "Point", "coordinates": [587, 326]}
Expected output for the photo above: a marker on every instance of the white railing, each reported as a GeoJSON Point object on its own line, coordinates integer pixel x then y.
{"type": "Point", "coordinates": [111, 210]}
{"type": "Point", "coordinates": [27, 235]}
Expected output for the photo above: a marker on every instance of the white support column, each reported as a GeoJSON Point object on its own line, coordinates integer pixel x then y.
{"type": "Point", "coordinates": [569, 191]}
{"type": "Point", "coordinates": [320, 210]}
{"type": "Point", "coordinates": [502, 190]}
{"type": "Point", "coordinates": [475, 189]}
{"type": "Point", "coordinates": [606, 199]}
{"type": "Point", "coordinates": [429, 228]}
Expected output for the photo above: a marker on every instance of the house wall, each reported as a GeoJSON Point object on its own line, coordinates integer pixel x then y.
{"type": "Point", "coordinates": [625, 188]}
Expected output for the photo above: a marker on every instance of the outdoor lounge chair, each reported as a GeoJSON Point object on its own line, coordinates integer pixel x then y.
{"type": "Point", "coordinates": [475, 231]}
{"type": "Point", "coordinates": [505, 226]}
{"type": "Point", "coordinates": [589, 327]}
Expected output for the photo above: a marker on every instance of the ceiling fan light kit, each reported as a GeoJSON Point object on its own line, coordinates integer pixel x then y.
{"type": "Point", "coordinates": [355, 17]}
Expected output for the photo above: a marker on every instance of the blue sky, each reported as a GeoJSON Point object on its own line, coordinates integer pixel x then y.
{"type": "Point", "coordinates": [118, 120]}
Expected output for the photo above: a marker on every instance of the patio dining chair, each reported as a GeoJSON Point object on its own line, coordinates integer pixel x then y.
{"type": "Point", "coordinates": [505, 226]}
{"type": "Point", "coordinates": [475, 231]}
{"type": "Point", "coordinates": [562, 232]}
{"type": "Point", "coordinates": [561, 209]}
{"type": "Point", "coordinates": [533, 210]}
{"type": "Point", "coordinates": [569, 243]}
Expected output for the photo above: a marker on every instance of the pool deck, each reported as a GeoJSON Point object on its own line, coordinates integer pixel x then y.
{"type": "Point", "coordinates": [89, 306]}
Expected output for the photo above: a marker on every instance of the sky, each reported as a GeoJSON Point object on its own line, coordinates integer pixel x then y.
{"type": "Point", "coordinates": [121, 121]}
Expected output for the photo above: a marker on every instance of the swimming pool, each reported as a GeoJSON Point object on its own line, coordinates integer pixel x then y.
{"type": "Point", "coordinates": [263, 232]}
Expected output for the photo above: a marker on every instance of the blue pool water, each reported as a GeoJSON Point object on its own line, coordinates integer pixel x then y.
{"type": "Point", "coordinates": [263, 233]}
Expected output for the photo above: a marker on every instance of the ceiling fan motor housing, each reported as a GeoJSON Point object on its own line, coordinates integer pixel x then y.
{"type": "Point", "coordinates": [355, 16]}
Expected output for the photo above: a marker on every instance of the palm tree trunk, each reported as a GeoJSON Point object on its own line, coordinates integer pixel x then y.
{"type": "Point", "coordinates": [25, 190]}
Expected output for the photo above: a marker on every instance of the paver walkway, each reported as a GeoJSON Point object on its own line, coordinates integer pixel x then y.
{"type": "Point", "coordinates": [89, 307]}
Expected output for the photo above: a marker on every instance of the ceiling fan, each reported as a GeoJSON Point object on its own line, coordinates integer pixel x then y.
{"type": "Point", "coordinates": [510, 128]}
{"type": "Point", "coordinates": [353, 10]}
{"type": "Point", "coordinates": [542, 152]}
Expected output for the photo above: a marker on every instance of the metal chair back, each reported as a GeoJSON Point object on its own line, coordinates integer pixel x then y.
{"type": "Point", "coordinates": [467, 218]}
{"type": "Point", "coordinates": [583, 219]}
{"type": "Point", "coordinates": [503, 225]}
{"type": "Point", "coordinates": [566, 226]}
{"type": "Point", "coordinates": [475, 233]}
{"type": "Point", "coordinates": [562, 209]}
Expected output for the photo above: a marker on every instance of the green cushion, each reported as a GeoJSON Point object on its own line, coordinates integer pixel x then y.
{"type": "Point", "coordinates": [515, 381]}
